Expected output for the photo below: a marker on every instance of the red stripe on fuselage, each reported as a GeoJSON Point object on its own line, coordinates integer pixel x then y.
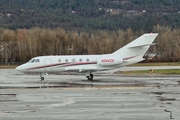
{"type": "Point", "coordinates": [62, 65]}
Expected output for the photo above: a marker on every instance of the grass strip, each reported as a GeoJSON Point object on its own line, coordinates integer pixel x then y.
{"type": "Point", "coordinates": [164, 71]}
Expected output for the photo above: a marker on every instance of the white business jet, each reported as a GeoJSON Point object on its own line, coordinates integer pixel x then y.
{"type": "Point", "coordinates": [127, 55]}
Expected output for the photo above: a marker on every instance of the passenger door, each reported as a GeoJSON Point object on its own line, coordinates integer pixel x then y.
{"type": "Point", "coordinates": [48, 65]}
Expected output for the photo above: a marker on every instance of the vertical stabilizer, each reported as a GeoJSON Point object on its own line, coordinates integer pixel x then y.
{"type": "Point", "coordinates": [137, 48]}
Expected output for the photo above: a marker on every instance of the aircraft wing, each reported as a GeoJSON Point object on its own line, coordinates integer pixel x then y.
{"type": "Point", "coordinates": [82, 69]}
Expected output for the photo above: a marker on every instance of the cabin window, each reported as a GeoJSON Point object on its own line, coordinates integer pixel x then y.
{"type": "Point", "coordinates": [73, 60]}
{"type": "Point", "coordinates": [66, 60]}
{"type": "Point", "coordinates": [59, 60]}
{"type": "Point", "coordinates": [37, 60]}
{"type": "Point", "coordinates": [87, 60]}
{"type": "Point", "coordinates": [80, 60]}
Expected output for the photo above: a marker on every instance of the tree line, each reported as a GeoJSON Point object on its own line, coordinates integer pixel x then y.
{"type": "Point", "coordinates": [23, 44]}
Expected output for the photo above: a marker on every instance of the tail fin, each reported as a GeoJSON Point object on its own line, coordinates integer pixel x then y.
{"type": "Point", "coordinates": [137, 48]}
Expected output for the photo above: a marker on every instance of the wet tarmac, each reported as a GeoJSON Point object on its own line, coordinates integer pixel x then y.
{"type": "Point", "coordinates": [108, 97]}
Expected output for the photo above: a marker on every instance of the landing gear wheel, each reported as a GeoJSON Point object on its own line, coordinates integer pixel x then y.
{"type": "Point", "coordinates": [42, 78]}
{"type": "Point", "coordinates": [90, 77]}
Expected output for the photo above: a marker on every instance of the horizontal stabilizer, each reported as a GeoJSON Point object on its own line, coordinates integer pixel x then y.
{"type": "Point", "coordinates": [143, 45]}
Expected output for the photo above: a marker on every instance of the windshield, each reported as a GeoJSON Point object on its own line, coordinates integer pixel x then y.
{"type": "Point", "coordinates": [31, 61]}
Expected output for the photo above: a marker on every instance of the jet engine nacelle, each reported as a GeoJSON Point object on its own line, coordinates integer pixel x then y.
{"type": "Point", "coordinates": [105, 61]}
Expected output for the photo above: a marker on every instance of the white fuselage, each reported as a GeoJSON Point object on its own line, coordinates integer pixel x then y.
{"type": "Point", "coordinates": [77, 63]}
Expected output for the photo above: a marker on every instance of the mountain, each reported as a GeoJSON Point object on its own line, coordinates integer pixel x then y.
{"type": "Point", "coordinates": [89, 15]}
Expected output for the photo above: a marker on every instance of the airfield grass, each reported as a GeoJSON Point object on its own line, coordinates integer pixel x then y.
{"type": "Point", "coordinates": [168, 71]}
{"type": "Point", "coordinates": [8, 66]}
{"type": "Point", "coordinates": [158, 64]}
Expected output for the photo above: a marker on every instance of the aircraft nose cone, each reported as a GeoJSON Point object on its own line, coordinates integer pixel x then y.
{"type": "Point", "coordinates": [19, 68]}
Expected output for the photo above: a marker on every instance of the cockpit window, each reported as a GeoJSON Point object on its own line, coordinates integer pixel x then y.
{"type": "Point", "coordinates": [37, 60]}
{"type": "Point", "coordinates": [31, 61]}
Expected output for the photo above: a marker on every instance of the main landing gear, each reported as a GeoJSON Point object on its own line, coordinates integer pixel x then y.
{"type": "Point", "coordinates": [41, 77]}
{"type": "Point", "coordinates": [89, 75]}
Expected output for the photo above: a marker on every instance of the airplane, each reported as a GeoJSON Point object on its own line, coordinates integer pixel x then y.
{"type": "Point", "coordinates": [127, 55]}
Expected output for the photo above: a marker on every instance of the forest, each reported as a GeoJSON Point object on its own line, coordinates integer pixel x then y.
{"type": "Point", "coordinates": [23, 44]}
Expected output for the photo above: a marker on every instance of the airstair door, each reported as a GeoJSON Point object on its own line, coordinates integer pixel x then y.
{"type": "Point", "coordinates": [48, 65]}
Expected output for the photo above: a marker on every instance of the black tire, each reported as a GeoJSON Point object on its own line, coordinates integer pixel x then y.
{"type": "Point", "coordinates": [90, 77]}
{"type": "Point", "coordinates": [42, 78]}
